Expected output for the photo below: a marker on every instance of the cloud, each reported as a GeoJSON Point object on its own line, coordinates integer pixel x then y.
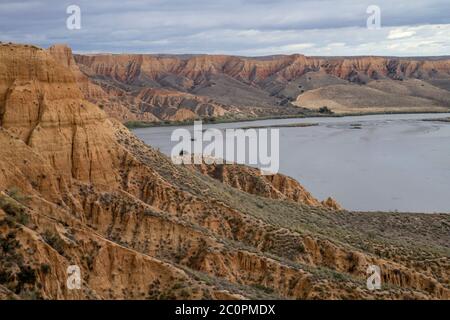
{"type": "Point", "coordinates": [400, 33]}
{"type": "Point", "coordinates": [244, 27]}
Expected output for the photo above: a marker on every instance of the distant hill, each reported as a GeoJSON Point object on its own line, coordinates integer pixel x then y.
{"type": "Point", "coordinates": [238, 87]}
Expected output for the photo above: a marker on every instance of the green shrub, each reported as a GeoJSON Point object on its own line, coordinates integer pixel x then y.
{"type": "Point", "coordinates": [27, 275]}
{"type": "Point", "coordinates": [184, 294]}
{"type": "Point", "coordinates": [13, 205]}
{"type": "Point", "coordinates": [45, 268]}
{"type": "Point", "coordinates": [5, 276]}
{"type": "Point", "coordinates": [17, 195]}
{"type": "Point", "coordinates": [9, 243]}
{"type": "Point", "coordinates": [325, 110]}
{"type": "Point", "coordinates": [15, 211]}
{"type": "Point", "coordinates": [262, 288]}
{"type": "Point", "coordinates": [54, 241]}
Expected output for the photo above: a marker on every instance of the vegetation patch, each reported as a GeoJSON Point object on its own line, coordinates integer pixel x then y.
{"type": "Point", "coordinates": [54, 241]}
{"type": "Point", "coordinates": [14, 205]}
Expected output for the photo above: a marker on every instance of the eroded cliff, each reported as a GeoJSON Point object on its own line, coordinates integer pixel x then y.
{"type": "Point", "coordinates": [78, 188]}
{"type": "Point", "coordinates": [274, 86]}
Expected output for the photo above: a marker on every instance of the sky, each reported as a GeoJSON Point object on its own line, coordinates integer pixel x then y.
{"type": "Point", "coordinates": [237, 27]}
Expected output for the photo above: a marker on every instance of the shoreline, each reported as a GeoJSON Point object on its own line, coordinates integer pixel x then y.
{"type": "Point", "coordinates": [143, 124]}
{"type": "Point", "coordinates": [443, 120]}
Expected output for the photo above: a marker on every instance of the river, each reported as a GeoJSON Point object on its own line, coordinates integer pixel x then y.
{"type": "Point", "coordinates": [367, 163]}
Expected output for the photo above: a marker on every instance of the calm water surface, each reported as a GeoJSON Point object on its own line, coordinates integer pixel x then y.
{"type": "Point", "coordinates": [394, 162]}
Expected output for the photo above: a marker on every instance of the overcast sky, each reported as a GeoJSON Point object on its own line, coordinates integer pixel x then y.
{"type": "Point", "coordinates": [240, 27]}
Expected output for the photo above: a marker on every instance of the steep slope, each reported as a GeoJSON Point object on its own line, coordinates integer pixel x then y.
{"type": "Point", "coordinates": [178, 106]}
{"type": "Point", "coordinates": [252, 87]}
{"type": "Point", "coordinates": [276, 186]}
{"type": "Point", "coordinates": [78, 188]}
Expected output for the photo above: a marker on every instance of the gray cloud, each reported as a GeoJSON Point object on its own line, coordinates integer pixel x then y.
{"type": "Point", "coordinates": [252, 27]}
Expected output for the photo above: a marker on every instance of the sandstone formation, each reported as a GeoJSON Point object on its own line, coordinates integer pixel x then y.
{"type": "Point", "coordinates": [78, 188]}
{"type": "Point", "coordinates": [276, 186]}
{"type": "Point", "coordinates": [238, 87]}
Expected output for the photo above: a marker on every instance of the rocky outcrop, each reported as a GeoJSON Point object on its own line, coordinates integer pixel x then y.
{"type": "Point", "coordinates": [275, 186]}
{"type": "Point", "coordinates": [331, 203]}
{"type": "Point", "coordinates": [63, 54]}
{"type": "Point", "coordinates": [178, 106]}
{"type": "Point", "coordinates": [78, 188]}
{"type": "Point", "coordinates": [44, 107]}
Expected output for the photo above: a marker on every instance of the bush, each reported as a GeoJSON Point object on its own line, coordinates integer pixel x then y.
{"type": "Point", "coordinates": [15, 210]}
{"type": "Point", "coordinates": [10, 207]}
{"type": "Point", "coordinates": [301, 248]}
{"type": "Point", "coordinates": [263, 288]}
{"type": "Point", "coordinates": [17, 195]}
{"type": "Point", "coordinates": [325, 110]}
{"type": "Point", "coordinates": [5, 276]}
{"type": "Point", "coordinates": [14, 205]}
{"type": "Point", "coordinates": [27, 275]}
{"type": "Point", "coordinates": [54, 241]}
{"type": "Point", "coordinates": [184, 294]}
{"type": "Point", "coordinates": [9, 243]}
{"type": "Point", "coordinates": [45, 268]}
{"type": "Point", "coordinates": [209, 119]}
